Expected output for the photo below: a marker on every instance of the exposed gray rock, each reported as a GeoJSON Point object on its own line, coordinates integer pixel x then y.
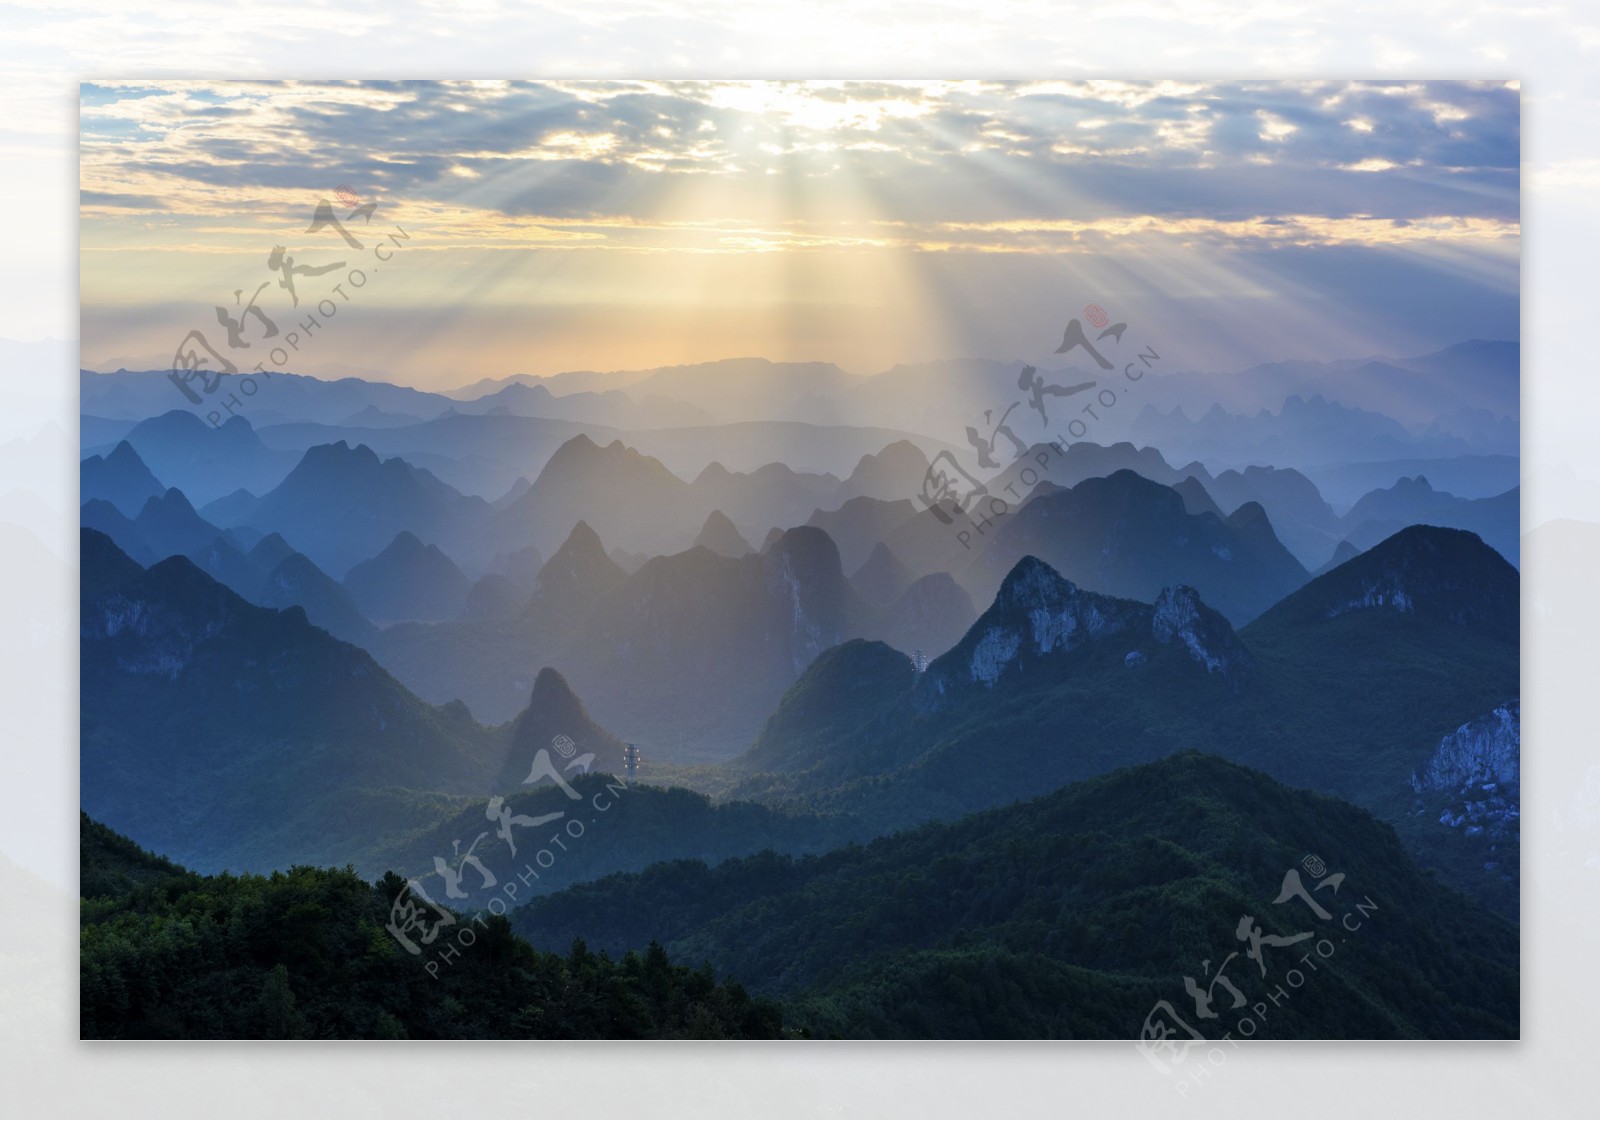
{"type": "Point", "coordinates": [1042, 612]}
{"type": "Point", "coordinates": [1484, 752]}
{"type": "Point", "coordinates": [1472, 780]}
{"type": "Point", "coordinates": [1180, 616]}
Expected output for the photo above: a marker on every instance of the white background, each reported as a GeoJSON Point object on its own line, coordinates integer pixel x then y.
{"type": "Point", "coordinates": [47, 47]}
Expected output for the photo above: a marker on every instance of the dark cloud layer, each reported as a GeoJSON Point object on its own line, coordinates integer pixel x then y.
{"type": "Point", "coordinates": [1218, 150]}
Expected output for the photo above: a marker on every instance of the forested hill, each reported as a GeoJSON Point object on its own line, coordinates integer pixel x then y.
{"type": "Point", "coordinates": [1073, 914]}
{"type": "Point", "coordinates": [170, 954]}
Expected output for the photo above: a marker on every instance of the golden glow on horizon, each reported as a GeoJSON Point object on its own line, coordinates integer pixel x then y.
{"type": "Point", "coordinates": [661, 222]}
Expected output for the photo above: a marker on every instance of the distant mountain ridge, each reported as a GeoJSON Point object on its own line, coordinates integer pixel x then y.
{"type": "Point", "coordinates": [206, 461]}
{"type": "Point", "coordinates": [1130, 537]}
{"type": "Point", "coordinates": [696, 642]}
{"type": "Point", "coordinates": [231, 735]}
{"type": "Point", "coordinates": [1053, 683]}
{"type": "Point", "coordinates": [1316, 430]}
{"type": "Point", "coordinates": [1478, 373]}
{"type": "Point", "coordinates": [341, 505]}
{"type": "Point", "coordinates": [1477, 376]}
{"type": "Point", "coordinates": [120, 478]}
{"type": "Point", "coordinates": [408, 580]}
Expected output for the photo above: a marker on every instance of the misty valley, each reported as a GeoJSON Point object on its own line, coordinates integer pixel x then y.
{"type": "Point", "coordinates": [747, 699]}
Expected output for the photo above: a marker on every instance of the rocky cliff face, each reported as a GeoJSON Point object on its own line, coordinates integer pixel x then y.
{"type": "Point", "coordinates": [154, 624]}
{"type": "Point", "coordinates": [1425, 573]}
{"type": "Point", "coordinates": [1179, 616]}
{"type": "Point", "coordinates": [1385, 590]}
{"type": "Point", "coordinates": [1485, 753]}
{"type": "Point", "coordinates": [1473, 782]}
{"type": "Point", "coordinates": [805, 582]}
{"type": "Point", "coordinates": [1039, 613]}
{"type": "Point", "coordinates": [1039, 610]}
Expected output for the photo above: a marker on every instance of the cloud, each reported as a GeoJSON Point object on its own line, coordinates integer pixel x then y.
{"type": "Point", "coordinates": [946, 151]}
{"type": "Point", "coordinates": [147, 203]}
{"type": "Point", "coordinates": [905, 208]}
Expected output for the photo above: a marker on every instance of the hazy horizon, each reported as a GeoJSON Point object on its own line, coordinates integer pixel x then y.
{"type": "Point", "coordinates": [154, 363]}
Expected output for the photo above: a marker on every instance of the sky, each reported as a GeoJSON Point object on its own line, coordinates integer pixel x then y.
{"type": "Point", "coordinates": [535, 227]}
{"type": "Point", "coordinates": [50, 45]}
